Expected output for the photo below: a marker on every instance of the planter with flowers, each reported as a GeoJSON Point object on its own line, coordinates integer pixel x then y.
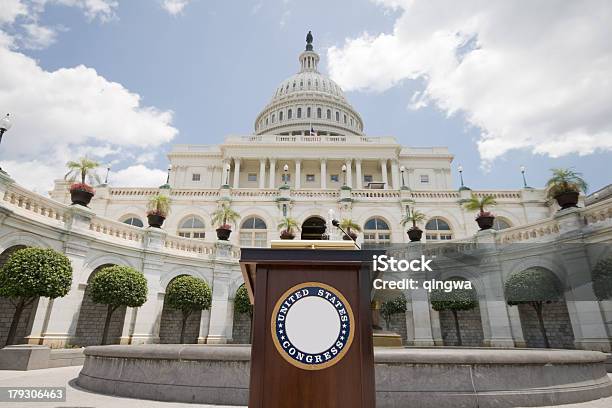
{"type": "Point", "coordinates": [565, 186]}
{"type": "Point", "coordinates": [485, 218]}
{"type": "Point", "coordinates": [223, 217]}
{"type": "Point", "coordinates": [414, 217]}
{"type": "Point", "coordinates": [157, 210]}
{"type": "Point", "coordinates": [287, 227]}
{"type": "Point", "coordinates": [79, 172]}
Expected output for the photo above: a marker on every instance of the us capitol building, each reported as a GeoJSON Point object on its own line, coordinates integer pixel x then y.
{"type": "Point", "coordinates": [308, 154]}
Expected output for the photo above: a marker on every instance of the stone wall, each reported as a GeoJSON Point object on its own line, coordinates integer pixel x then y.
{"type": "Point", "coordinates": [470, 327]}
{"type": "Point", "coordinates": [6, 317]}
{"type": "Point", "coordinates": [397, 324]}
{"type": "Point", "coordinates": [90, 325]}
{"type": "Point", "coordinates": [170, 326]}
{"type": "Point", "coordinates": [241, 333]}
{"type": "Point", "coordinates": [556, 321]}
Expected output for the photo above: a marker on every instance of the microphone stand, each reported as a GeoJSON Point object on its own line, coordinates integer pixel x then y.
{"type": "Point", "coordinates": [336, 224]}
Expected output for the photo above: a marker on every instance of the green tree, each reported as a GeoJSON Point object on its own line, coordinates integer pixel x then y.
{"type": "Point", "coordinates": [392, 307]}
{"type": "Point", "coordinates": [534, 287]}
{"type": "Point", "coordinates": [289, 224]}
{"type": "Point", "coordinates": [83, 171]}
{"type": "Point", "coordinates": [602, 279]}
{"type": "Point", "coordinates": [413, 217]}
{"type": "Point", "coordinates": [159, 205]}
{"type": "Point", "coordinates": [349, 225]}
{"type": "Point", "coordinates": [454, 301]}
{"type": "Point", "coordinates": [242, 303]}
{"type": "Point", "coordinates": [30, 273]}
{"type": "Point", "coordinates": [188, 294]}
{"type": "Point", "coordinates": [565, 181]}
{"type": "Point", "coordinates": [117, 286]}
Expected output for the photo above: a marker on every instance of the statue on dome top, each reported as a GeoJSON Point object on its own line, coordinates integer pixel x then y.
{"type": "Point", "coordinates": [309, 41]}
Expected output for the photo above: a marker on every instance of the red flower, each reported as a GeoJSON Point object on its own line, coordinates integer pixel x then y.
{"type": "Point", "coordinates": [82, 187]}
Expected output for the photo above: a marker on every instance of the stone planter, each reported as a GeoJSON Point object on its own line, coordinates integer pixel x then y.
{"type": "Point", "coordinates": [287, 235]}
{"type": "Point", "coordinates": [81, 197]}
{"type": "Point", "coordinates": [415, 234]}
{"type": "Point", "coordinates": [223, 233]}
{"type": "Point", "coordinates": [155, 220]}
{"type": "Point", "coordinates": [568, 199]}
{"type": "Point", "coordinates": [485, 222]}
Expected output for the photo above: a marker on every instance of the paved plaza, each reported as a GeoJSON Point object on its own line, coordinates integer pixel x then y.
{"type": "Point", "coordinates": [78, 397]}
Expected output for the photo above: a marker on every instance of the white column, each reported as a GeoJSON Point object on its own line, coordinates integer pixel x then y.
{"type": "Point", "coordinates": [218, 311]}
{"type": "Point", "coordinates": [383, 170]}
{"type": "Point", "coordinates": [359, 177]}
{"type": "Point", "coordinates": [298, 174]}
{"type": "Point", "coordinates": [236, 173]}
{"type": "Point", "coordinates": [395, 176]}
{"type": "Point", "coordinates": [323, 173]}
{"type": "Point", "coordinates": [262, 173]}
{"type": "Point", "coordinates": [421, 318]}
{"type": "Point", "coordinates": [515, 325]}
{"type": "Point", "coordinates": [272, 173]}
{"type": "Point", "coordinates": [204, 326]}
{"type": "Point", "coordinates": [349, 172]}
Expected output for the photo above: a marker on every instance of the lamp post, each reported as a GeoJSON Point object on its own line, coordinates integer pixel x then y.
{"type": "Point", "coordinates": [463, 187]}
{"type": "Point", "coordinates": [524, 179]}
{"type": "Point", "coordinates": [107, 171]}
{"type": "Point", "coordinates": [227, 171]}
{"type": "Point", "coordinates": [402, 170]}
{"type": "Point", "coordinates": [344, 174]}
{"type": "Point", "coordinates": [168, 176]}
{"type": "Point", "coordinates": [5, 125]}
{"type": "Point", "coordinates": [285, 170]}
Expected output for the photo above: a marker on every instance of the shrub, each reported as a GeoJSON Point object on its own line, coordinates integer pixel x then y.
{"type": "Point", "coordinates": [188, 294]}
{"type": "Point", "coordinates": [117, 286]}
{"type": "Point", "coordinates": [30, 273]}
{"type": "Point", "coordinates": [392, 307]}
{"type": "Point", "coordinates": [534, 286]}
{"type": "Point", "coordinates": [242, 303]}
{"type": "Point", "coordinates": [455, 300]}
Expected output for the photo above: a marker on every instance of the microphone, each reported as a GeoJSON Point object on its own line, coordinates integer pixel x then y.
{"type": "Point", "coordinates": [336, 224]}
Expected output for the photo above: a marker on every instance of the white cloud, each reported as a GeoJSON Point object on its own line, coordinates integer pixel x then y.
{"type": "Point", "coordinates": [104, 10]}
{"type": "Point", "coordinates": [70, 112]}
{"type": "Point", "coordinates": [174, 7]}
{"type": "Point", "coordinates": [11, 10]}
{"type": "Point", "coordinates": [138, 176]}
{"type": "Point", "coordinates": [37, 36]}
{"type": "Point", "coordinates": [534, 75]}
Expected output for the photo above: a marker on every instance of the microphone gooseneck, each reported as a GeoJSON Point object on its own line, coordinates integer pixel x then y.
{"type": "Point", "coordinates": [336, 224]}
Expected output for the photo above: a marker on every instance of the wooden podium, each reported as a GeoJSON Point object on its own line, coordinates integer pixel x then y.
{"type": "Point", "coordinates": [312, 329]}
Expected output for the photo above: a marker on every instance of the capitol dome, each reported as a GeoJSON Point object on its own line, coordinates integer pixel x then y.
{"type": "Point", "coordinates": [308, 100]}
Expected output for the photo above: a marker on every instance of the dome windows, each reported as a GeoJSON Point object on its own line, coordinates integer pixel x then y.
{"type": "Point", "coordinates": [289, 114]}
{"type": "Point", "coordinates": [328, 114]}
{"type": "Point", "coordinates": [337, 116]}
{"type": "Point", "coordinates": [308, 114]}
{"type": "Point", "coordinates": [345, 119]}
{"type": "Point", "coordinates": [299, 113]}
{"type": "Point", "coordinates": [280, 116]}
{"type": "Point", "coordinates": [318, 113]}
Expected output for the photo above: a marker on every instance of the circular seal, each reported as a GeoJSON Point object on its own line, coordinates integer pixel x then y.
{"type": "Point", "coordinates": [312, 326]}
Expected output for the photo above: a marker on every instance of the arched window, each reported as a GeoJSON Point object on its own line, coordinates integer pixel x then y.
{"type": "Point", "coordinates": [289, 114]}
{"type": "Point", "coordinates": [318, 113]}
{"type": "Point", "coordinates": [308, 112]}
{"type": "Point", "coordinates": [266, 121]}
{"type": "Point", "coordinates": [345, 119]}
{"type": "Point", "coordinates": [135, 221]}
{"type": "Point", "coordinates": [329, 114]}
{"type": "Point", "coordinates": [192, 227]}
{"type": "Point", "coordinates": [253, 233]}
{"type": "Point", "coordinates": [273, 118]}
{"type": "Point", "coordinates": [376, 231]}
{"type": "Point", "coordinates": [438, 229]}
{"type": "Point", "coordinates": [337, 116]}
{"type": "Point", "coordinates": [280, 116]}
{"type": "Point", "coordinates": [299, 113]}
{"type": "Point", "coordinates": [500, 224]}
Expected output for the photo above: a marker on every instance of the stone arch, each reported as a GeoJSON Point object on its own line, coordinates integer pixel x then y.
{"type": "Point", "coordinates": [25, 239]}
{"type": "Point", "coordinates": [171, 320]}
{"type": "Point", "coordinates": [313, 227]}
{"type": "Point", "coordinates": [7, 307]}
{"type": "Point", "coordinates": [241, 332]}
{"type": "Point", "coordinates": [98, 263]}
{"type": "Point", "coordinates": [470, 321]}
{"type": "Point", "coordinates": [90, 324]}
{"type": "Point", "coordinates": [556, 320]}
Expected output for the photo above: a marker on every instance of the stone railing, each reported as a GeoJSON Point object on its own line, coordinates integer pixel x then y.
{"type": "Point", "coordinates": [133, 191]}
{"type": "Point", "coordinates": [209, 193]}
{"type": "Point", "coordinates": [255, 193]}
{"type": "Point", "coordinates": [375, 194]}
{"type": "Point", "coordinates": [315, 194]}
{"type": "Point", "coordinates": [598, 212]}
{"type": "Point", "coordinates": [116, 229]}
{"type": "Point", "coordinates": [348, 139]}
{"type": "Point", "coordinates": [436, 195]}
{"type": "Point", "coordinates": [499, 195]}
{"type": "Point", "coordinates": [527, 232]}
{"type": "Point", "coordinates": [180, 244]}
{"type": "Point", "coordinates": [33, 203]}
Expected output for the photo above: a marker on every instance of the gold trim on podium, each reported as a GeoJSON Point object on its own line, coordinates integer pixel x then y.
{"type": "Point", "coordinates": [311, 244]}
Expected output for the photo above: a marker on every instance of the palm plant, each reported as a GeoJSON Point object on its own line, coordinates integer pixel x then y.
{"type": "Point", "coordinates": [350, 225]}
{"type": "Point", "coordinates": [288, 224]}
{"type": "Point", "coordinates": [413, 216]}
{"type": "Point", "coordinates": [480, 204]}
{"type": "Point", "coordinates": [224, 215]}
{"type": "Point", "coordinates": [82, 171]}
{"type": "Point", "coordinates": [565, 181]}
{"type": "Point", "coordinates": [159, 205]}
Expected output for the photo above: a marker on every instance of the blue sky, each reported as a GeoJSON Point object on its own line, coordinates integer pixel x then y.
{"type": "Point", "coordinates": [215, 64]}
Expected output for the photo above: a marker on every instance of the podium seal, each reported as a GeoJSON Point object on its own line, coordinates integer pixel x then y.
{"type": "Point", "coordinates": [312, 326]}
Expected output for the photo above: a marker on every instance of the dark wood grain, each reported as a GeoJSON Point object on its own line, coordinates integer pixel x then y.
{"type": "Point", "coordinates": [274, 382]}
